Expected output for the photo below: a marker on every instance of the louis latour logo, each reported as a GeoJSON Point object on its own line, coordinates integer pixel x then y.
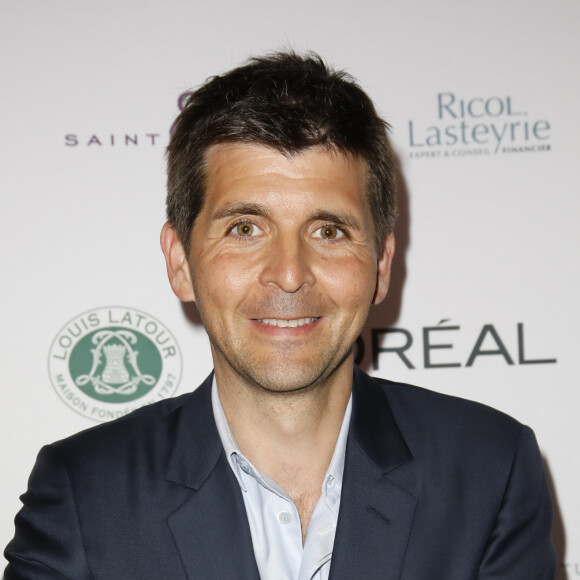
{"type": "Point", "coordinates": [108, 361]}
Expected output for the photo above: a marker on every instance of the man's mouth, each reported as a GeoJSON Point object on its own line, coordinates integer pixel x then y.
{"type": "Point", "coordinates": [283, 323]}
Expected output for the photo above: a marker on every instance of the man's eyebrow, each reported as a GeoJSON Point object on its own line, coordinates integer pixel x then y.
{"type": "Point", "coordinates": [241, 208]}
{"type": "Point", "coordinates": [338, 218]}
{"type": "Point", "coordinates": [247, 208]}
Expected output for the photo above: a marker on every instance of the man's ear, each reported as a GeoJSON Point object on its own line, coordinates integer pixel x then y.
{"type": "Point", "coordinates": [178, 269]}
{"type": "Point", "coordinates": [384, 268]}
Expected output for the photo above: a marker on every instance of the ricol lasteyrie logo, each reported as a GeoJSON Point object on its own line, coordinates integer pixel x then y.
{"type": "Point", "coordinates": [109, 361]}
{"type": "Point", "coordinates": [465, 126]}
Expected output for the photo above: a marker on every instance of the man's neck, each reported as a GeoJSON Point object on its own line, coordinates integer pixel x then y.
{"type": "Point", "coordinates": [288, 436]}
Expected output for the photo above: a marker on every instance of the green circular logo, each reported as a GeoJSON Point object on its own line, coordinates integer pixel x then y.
{"type": "Point", "coordinates": [115, 365]}
{"type": "Point", "coordinates": [109, 361]}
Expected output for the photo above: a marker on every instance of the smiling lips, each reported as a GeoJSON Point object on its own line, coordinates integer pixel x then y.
{"type": "Point", "coordinates": [283, 323]}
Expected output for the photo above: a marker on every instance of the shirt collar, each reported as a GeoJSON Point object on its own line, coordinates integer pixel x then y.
{"type": "Point", "coordinates": [226, 436]}
{"type": "Point", "coordinates": [234, 455]}
{"type": "Point", "coordinates": [336, 467]}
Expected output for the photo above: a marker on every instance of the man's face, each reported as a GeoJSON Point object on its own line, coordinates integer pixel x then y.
{"type": "Point", "coordinates": [283, 264]}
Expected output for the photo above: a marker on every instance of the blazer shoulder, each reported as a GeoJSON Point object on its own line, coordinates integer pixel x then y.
{"type": "Point", "coordinates": [153, 426]}
{"type": "Point", "coordinates": [439, 405]}
{"type": "Point", "coordinates": [429, 419]}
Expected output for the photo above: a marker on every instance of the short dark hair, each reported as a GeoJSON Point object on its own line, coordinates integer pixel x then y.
{"type": "Point", "coordinates": [288, 102]}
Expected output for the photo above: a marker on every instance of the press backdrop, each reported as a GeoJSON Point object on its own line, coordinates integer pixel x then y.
{"type": "Point", "coordinates": [483, 100]}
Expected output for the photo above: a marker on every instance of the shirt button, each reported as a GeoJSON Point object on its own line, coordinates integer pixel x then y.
{"type": "Point", "coordinates": [284, 517]}
{"type": "Point", "coordinates": [331, 482]}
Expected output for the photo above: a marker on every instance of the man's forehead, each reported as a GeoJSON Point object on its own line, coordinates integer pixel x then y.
{"type": "Point", "coordinates": [236, 161]}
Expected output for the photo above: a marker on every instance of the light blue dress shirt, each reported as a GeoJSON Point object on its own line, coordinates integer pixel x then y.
{"type": "Point", "coordinates": [273, 517]}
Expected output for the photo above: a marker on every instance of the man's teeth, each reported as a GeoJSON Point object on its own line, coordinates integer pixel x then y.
{"type": "Point", "coordinates": [282, 323]}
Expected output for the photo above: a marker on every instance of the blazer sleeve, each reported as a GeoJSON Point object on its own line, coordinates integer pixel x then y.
{"type": "Point", "coordinates": [520, 545]}
{"type": "Point", "coordinates": [47, 543]}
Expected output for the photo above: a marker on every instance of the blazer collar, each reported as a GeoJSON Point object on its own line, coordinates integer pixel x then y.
{"type": "Point", "coordinates": [197, 446]}
{"type": "Point", "coordinates": [373, 425]}
{"type": "Point", "coordinates": [377, 506]}
{"type": "Point", "coordinates": [210, 530]}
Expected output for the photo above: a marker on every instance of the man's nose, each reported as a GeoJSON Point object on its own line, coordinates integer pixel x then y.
{"type": "Point", "coordinates": [288, 265]}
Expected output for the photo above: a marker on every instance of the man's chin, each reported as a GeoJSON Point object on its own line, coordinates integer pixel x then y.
{"type": "Point", "coordinates": [292, 377]}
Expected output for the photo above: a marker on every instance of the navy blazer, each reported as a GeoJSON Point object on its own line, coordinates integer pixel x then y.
{"type": "Point", "coordinates": [435, 488]}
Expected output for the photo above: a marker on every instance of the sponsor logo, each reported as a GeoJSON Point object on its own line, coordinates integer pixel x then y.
{"type": "Point", "coordinates": [102, 140]}
{"type": "Point", "coordinates": [119, 140]}
{"type": "Point", "coordinates": [109, 361]}
{"type": "Point", "coordinates": [475, 126]}
{"type": "Point", "coordinates": [437, 344]}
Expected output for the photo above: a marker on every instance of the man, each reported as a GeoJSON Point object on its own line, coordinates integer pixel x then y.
{"type": "Point", "coordinates": [288, 462]}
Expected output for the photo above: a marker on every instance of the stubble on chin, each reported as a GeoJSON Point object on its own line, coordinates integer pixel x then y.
{"type": "Point", "coordinates": [280, 375]}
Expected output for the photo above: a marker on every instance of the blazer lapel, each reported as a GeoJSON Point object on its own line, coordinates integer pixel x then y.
{"type": "Point", "coordinates": [377, 503]}
{"type": "Point", "coordinates": [210, 530]}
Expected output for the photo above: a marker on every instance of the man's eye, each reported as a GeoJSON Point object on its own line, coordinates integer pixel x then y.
{"type": "Point", "coordinates": [329, 233]}
{"type": "Point", "coordinates": [245, 230]}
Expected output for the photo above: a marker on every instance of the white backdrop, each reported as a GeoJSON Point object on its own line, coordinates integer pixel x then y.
{"type": "Point", "coordinates": [483, 99]}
